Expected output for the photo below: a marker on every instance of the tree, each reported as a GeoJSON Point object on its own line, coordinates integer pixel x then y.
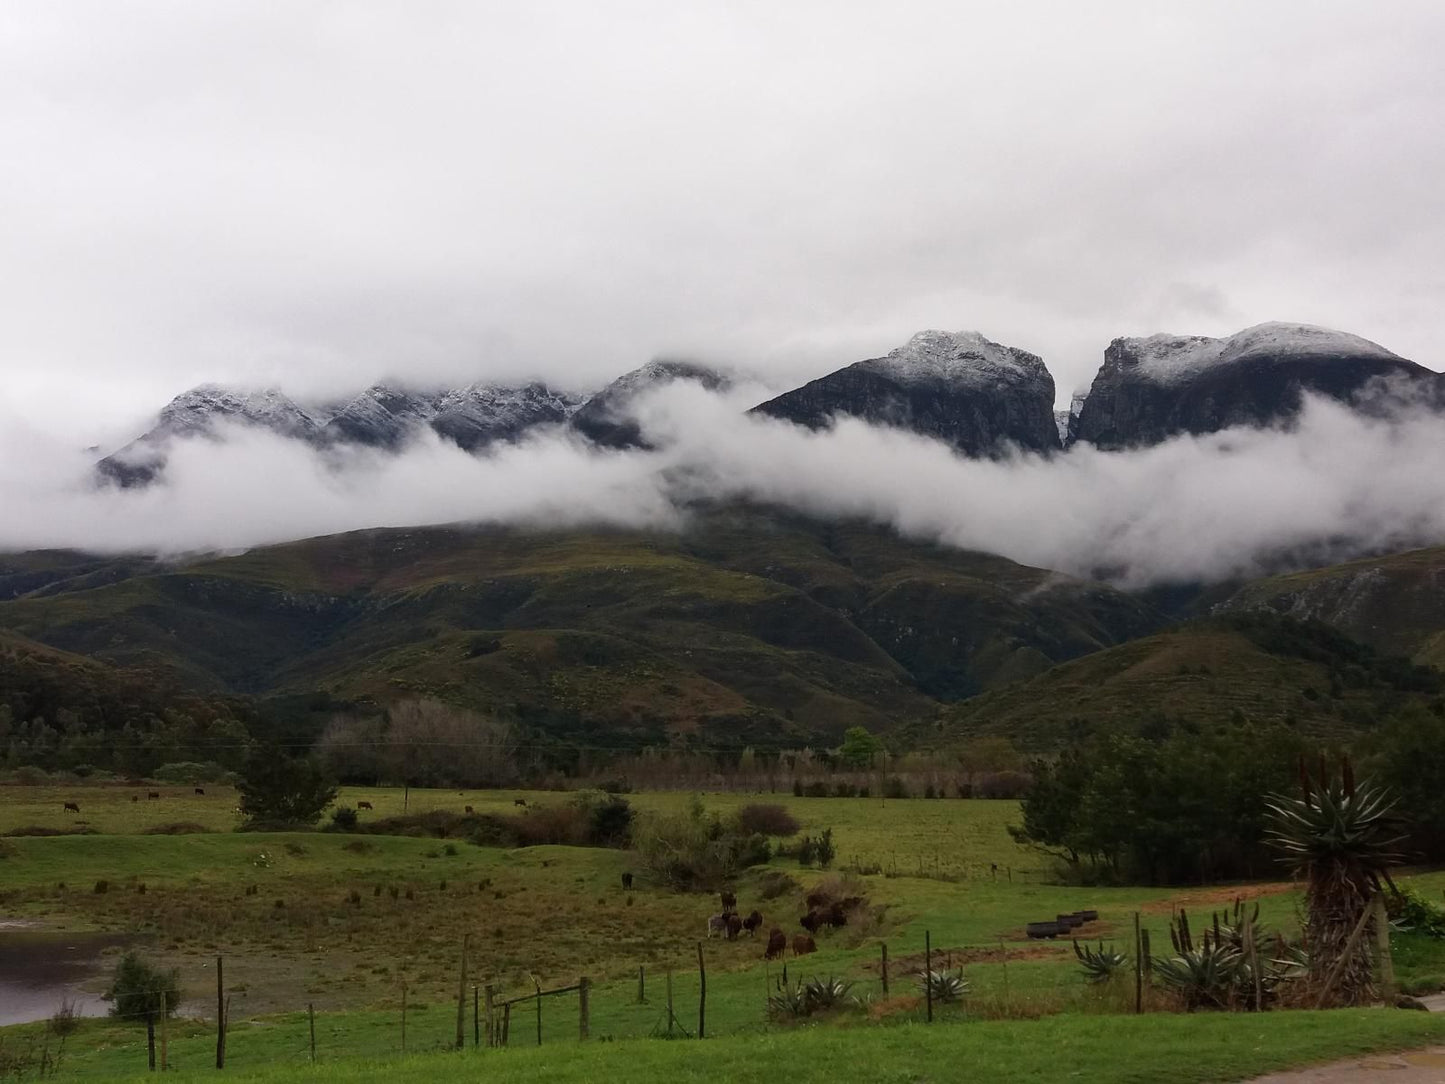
{"type": "Point", "coordinates": [277, 789]}
{"type": "Point", "coordinates": [140, 992]}
{"type": "Point", "coordinates": [1409, 758]}
{"type": "Point", "coordinates": [860, 748]}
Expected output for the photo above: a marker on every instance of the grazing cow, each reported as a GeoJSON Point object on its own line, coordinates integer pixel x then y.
{"type": "Point", "coordinates": [836, 916]}
{"type": "Point", "coordinates": [201, 791]}
{"type": "Point", "coordinates": [469, 809]}
{"type": "Point", "coordinates": [135, 797]}
{"type": "Point", "coordinates": [753, 922]}
{"type": "Point", "coordinates": [811, 921]}
{"type": "Point", "coordinates": [816, 901]}
{"type": "Point", "coordinates": [803, 944]}
{"type": "Point", "coordinates": [717, 924]}
{"type": "Point", "coordinates": [72, 807]}
{"type": "Point", "coordinates": [627, 881]}
{"type": "Point", "coordinates": [777, 944]}
{"type": "Point", "coordinates": [735, 926]}
{"type": "Point", "coordinates": [729, 902]}
{"type": "Point", "coordinates": [363, 805]}
{"type": "Point", "coordinates": [519, 801]}
{"type": "Point", "coordinates": [154, 794]}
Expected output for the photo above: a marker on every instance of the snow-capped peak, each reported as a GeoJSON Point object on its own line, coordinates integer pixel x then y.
{"type": "Point", "coordinates": [1167, 359]}
{"type": "Point", "coordinates": [959, 357]}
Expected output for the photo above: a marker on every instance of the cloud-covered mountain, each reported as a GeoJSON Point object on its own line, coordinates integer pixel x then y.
{"type": "Point", "coordinates": [607, 418]}
{"type": "Point", "coordinates": [1149, 389]}
{"type": "Point", "coordinates": [975, 395]}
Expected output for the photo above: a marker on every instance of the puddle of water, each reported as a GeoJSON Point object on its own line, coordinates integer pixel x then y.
{"type": "Point", "coordinates": [41, 969]}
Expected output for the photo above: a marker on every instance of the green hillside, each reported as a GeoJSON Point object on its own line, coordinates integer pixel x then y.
{"type": "Point", "coordinates": [1395, 603]}
{"type": "Point", "coordinates": [1259, 666]}
{"type": "Point", "coordinates": [746, 627]}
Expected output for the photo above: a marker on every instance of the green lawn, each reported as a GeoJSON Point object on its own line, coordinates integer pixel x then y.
{"type": "Point", "coordinates": [1084, 1049]}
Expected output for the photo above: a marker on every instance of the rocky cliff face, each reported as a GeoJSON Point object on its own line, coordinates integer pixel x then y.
{"type": "Point", "coordinates": [1154, 388]}
{"type": "Point", "coordinates": [607, 417]}
{"type": "Point", "coordinates": [977, 395]}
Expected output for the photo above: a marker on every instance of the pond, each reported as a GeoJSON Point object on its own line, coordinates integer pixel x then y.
{"type": "Point", "coordinates": [40, 969]}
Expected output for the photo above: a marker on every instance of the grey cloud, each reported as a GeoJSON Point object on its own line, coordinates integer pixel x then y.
{"type": "Point", "coordinates": [325, 194]}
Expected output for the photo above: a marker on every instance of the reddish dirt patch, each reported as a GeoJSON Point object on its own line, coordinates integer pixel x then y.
{"type": "Point", "coordinates": [946, 958]}
{"type": "Point", "coordinates": [1216, 897]}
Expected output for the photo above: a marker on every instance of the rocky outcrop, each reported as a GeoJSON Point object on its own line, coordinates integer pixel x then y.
{"type": "Point", "coordinates": [1154, 388]}
{"type": "Point", "coordinates": [974, 394]}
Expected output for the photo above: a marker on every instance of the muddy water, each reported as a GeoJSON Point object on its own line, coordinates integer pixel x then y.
{"type": "Point", "coordinates": [40, 969]}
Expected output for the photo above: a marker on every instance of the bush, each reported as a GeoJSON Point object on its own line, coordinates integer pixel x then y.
{"type": "Point", "coordinates": [696, 850]}
{"type": "Point", "coordinates": [343, 818]}
{"type": "Point", "coordinates": [1004, 785]}
{"type": "Point", "coordinates": [797, 788]}
{"type": "Point", "coordinates": [816, 789]}
{"type": "Point", "coordinates": [894, 787]}
{"type": "Point", "coordinates": [767, 819]}
{"type": "Point", "coordinates": [139, 991]}
{"type": "Point", "coordinates": [608, 818]}
{"type": "Point", "coordinates": [190, 772]}
{"type": "Point", "coordinates": [176, 828]}
{"type": "Point", "coordinates": [65, 1020]}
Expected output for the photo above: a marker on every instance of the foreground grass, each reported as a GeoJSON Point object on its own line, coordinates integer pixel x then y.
{"type": "Point", "coordinates": [1197, 1049]}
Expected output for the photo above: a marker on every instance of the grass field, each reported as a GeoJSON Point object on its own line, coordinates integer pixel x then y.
{"type": "Point", "coordinates": [280, 908]}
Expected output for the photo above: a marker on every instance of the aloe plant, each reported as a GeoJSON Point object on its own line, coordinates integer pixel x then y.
{"type": "Point", "coordinates": [945, 986]}
{"type": "Point", "coordinates": [1342, 839]}
{"type": "Point", "coordinates": [1101, 964]}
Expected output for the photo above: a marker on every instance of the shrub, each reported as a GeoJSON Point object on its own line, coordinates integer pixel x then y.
{"type": "Point", "coordinates": [797, 788]}
{"type": "Point", "coordinates": [696, 849]}
{"type": "Point", "coordinates": [894, 787]}
{"type": "Point", "coordinates": [816, 789]}
{"type": "Point", "coordinates": [102, 887]}
{"type": "Point", "coordinates": [139, 991]}
{"type": "Point", "coordinates": [767, 819]}
{"type": "Point", "coordinates": [1007, 785]}
{"type": "Point", "coordinates": [65, 1020]}
{"type": "Point", "coordinates": [608, 818]}
{"type": "Point", "coordinates": [176, 828]}
{"type": "Point", "coordinates": [190, 772]}
{"type": "Point", "coordinates": [343, 818]}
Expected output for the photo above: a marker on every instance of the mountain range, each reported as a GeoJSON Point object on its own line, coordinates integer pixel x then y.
{"type": "Point", "coordinates": [980, 397]}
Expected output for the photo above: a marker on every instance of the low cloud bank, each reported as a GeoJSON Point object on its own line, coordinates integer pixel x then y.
{"type": "Point", "coordinates": [1195, 508]}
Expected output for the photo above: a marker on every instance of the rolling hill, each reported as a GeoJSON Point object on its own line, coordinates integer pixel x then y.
{"type": "Point", "coordinates": [1255, 666]}
{"type": "Point", "coordinates": [748, 626]}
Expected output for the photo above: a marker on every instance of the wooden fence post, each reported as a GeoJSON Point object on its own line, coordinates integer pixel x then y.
{"type": "Point", "coordinates": [403, 1016]}
{"type": "Point", "coordinates": [584, 987]}
{"type": "Point", "coordinates": [539, 1011]}
{"type": "Point", "coordinates": [151, 1041]}
{"type": "Point", "coordinates": [165, 1031]}
{"type": "Point", "coordinates": [462, 997]}
{"type": "Point", "coordinates": [702, 993]}
{"type": "Point", "coordinates": [311, 1019]}
{"type": "Point", "coordinates": [1138, 966]}
{"type": "Point", "coordinates": [220, 1015]}
{"type": "Point", "coordinates": [928, 972]}
{"type": "Point", "coordinates": [670, 1016]}
{"type": "Point", "coordinates": [476, 1019]}
{"type": "Point", "coordinates": [883, 967]}
{"type": "Point", "coordinates": [506, 1023]}
{"type": "Point", "coordinates": [641, 985]}
{"type": "Point", "coordinates": [491, 1019]}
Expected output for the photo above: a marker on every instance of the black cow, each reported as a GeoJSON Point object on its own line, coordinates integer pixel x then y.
{"type": "Point", "coordinates": [777, 944]}
{"type": "Point", "coordinates": [627, 881]}
{"type": "Point", "coordinates": [735, 926]}
{"type": "Point", "coordinates": [72, 807]}
{"type": "Point", "coordinates": [363, 805]}
{"type": "Point", "coordinates": [729, 902]}
{"type": "Point", "coordinates": [201, 791]}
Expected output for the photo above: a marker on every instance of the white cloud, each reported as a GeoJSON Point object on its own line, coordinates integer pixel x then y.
{"type": "Point", "coordinates": [1192, 508]}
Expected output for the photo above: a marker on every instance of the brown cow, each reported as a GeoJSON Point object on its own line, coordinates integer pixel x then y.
{"type": "Point", "coordinates": [753, 922]}
{"type": "Point", "coordinates": [816, 901]}
{"type": "Point", "coordinates": [729, 902]}
{"type": "Point", "coordinates": [803, 944]}
{"type": "Point", "coordinates": [811, 921]}
{"type": "Point", "coordinates": [735, 926]}
{"type": "Point", "coordinates": [135, 797]}
{"type": "Point", "coordinates": [777, 944]}
{"type": "Point", "coordinates": [469, 809]}
{"type": "Point", "coordinates": [627, 881]}
{"type": "Point", "coordinates": [519, 801]}
{"type": "Point", "coordinates": [836, 916]}
{"type": "Point", "coordinates": [72, 807]}
{"type": "Point", "coordinates": [154, 794]}
{"type": "Point", "coordinates": [201, 791]}
{"type": "Point", "coordinates": [363, 805]}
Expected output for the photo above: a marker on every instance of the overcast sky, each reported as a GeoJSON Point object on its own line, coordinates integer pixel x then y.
{"type": "Point", "coordinates": [322, 194]}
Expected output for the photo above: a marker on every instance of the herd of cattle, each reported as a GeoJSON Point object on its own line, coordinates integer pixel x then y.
{"type": "Point", "coordinates": [824, 912]}
{"type": "Point", "coordinates": [151, 795]}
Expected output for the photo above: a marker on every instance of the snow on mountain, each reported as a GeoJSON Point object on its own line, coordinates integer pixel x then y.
{"type": "Point", "coordinates": [606, 417]}
{"type": "Point", "coordinates": [1171, 358]}
{"type": "Point", "coordinates": [960, 358]}
{"type": "Point", "coordinates": [481, 414]}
